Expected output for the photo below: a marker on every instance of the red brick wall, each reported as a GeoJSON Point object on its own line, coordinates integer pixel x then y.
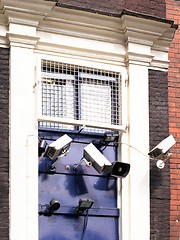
{"type": "Point", "coordinates": [173, 12]}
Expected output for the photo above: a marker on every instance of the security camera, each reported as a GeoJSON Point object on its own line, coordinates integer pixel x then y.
{"type": "Point", "coordinates": [49, 209]}
{"type": "Point", "coordinates": [41, 146]}
{"type": "Point", "coordinates": [102, 165]}
{"type": "Point", "coordinates": [58, 148]}
{"type": "Point", "coordinates": [54, 205]}
{"type": "Point", "coordinates": [109, 137]}
{"type": "Point", "coordinates": [98, 160]}
{"type": "Point", "coordinates": [162, 148]}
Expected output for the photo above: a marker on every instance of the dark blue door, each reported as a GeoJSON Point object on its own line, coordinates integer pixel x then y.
{"type": "Point", "coordinates": [68, 187]}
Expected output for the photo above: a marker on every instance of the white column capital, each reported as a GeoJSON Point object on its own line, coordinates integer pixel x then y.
{"type": "Point", "coordinates": [21, 19]}
{"type": "Point", "coordinates": [20, 40]}
{"type": "Point", "coordinates": [147, 39]}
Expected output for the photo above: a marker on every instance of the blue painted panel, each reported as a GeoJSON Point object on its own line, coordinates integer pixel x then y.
{"type": "Point", "coordinates": [68, 187]}
{"type": "Point", "coordinates": [72, 228]}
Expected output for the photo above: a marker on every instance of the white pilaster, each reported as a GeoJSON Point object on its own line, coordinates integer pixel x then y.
{"type": "Point", "coordinates": [139, 139]}
{"type": "Point", "coordinates": [136, 188]}
{"type": "Point", "coordinates": [23, 140]}
{"type": "Point", "coordinates": [22, 19]}
{"type": "Point", "coordinates": [147, 44]}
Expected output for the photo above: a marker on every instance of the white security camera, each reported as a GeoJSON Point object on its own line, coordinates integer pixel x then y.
{"type": "Point", "coordinates": [58, 148]}
{"type": "Point", "coordinates": [101, 164]}
{"type": "Point", "coordinates": [162, 148]}
{"type": "Point", "coordinates": [98, 160]}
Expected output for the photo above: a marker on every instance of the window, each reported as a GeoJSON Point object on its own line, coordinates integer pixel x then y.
{"type": "Point", "coordinates": [79, 95]}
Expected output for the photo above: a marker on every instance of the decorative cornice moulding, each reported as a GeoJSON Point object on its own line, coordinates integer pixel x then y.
{"type": "Point", "coordinates": [59, 27]}
{"type": "Point", "coordinates": [38, 7]}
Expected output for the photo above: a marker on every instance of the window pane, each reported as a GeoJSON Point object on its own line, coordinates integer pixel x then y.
{"type": "Point", "coordinates": [57, 100]}
{"type": "Point", "coordinates": [91, 107]}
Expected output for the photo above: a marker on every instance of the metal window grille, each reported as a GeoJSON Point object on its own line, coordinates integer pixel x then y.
{"type": "Point", "coordinates": [79, 93]}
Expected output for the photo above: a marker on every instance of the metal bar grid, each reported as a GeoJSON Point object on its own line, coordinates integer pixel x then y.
{"type": "Point", "coordinates": [79, 93]}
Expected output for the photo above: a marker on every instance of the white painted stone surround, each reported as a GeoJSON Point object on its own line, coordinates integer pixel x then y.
{"type": "Point", "coordinates": [129, 44]}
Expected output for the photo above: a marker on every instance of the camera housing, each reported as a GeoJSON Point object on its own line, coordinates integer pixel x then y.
{"type": "Point", "coordinates": [102, 165]}
{"type": "Point", "coordinates": [162, 148]}
{"type": "Point", "coordinates": [58, 148]}
{"type": "Point", "coordinates": [49, 209]}
{"type": "Point", "coordinates": [54, 205]}
{"type": "Point", "coordinates": [98, 160]}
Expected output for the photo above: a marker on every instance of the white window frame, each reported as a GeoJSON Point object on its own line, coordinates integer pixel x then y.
{"type": "Point", "coordinates": [74, 122]}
